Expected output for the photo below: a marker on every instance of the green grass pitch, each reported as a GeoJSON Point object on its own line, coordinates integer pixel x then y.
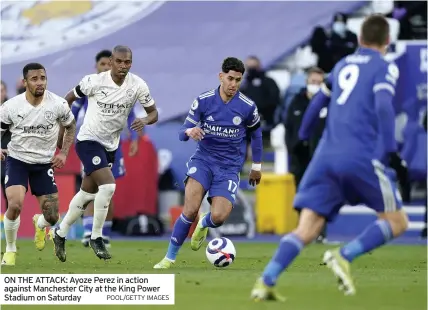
{"type": "Point", "coordinates": [391, 278]}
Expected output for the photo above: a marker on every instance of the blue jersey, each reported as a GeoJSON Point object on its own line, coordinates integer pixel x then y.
{"type": "Point", "coordinates": [225, 126]}
{"type": "Point", "coordinates": [353, 123]}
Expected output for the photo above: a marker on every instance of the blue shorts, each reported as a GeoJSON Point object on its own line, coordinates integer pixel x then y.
{"type": "Point", "coordinates": [217, 181]}
{"type": "Point", "coordinates": [40, 176]}
{"type": "Point", "coordinates": [333, 181]}
{"type": "Point", "coordinates": [94, 156]}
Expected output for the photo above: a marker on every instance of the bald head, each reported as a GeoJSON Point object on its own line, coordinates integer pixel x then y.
{"type": "Point", "coordinates": [121, 61]}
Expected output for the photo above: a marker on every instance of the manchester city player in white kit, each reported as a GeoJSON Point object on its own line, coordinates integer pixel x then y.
{"type": "Point", "coordinates": [33, 119]}
{"type": "Point", "coordinates": [111, 96]}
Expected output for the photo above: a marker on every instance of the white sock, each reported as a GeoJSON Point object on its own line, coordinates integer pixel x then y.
{"type": "Point", "coordinates": [75, 211]}
{"type": "Point", "coordinates": [101, 205]}
{"type": "Point", "coordinates": [11, 232]}
{"type": "Point", "coordinates": [42, 223]}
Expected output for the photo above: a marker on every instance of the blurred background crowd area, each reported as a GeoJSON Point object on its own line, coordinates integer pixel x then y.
{"type": "Point", "coordinates": [288, 48]}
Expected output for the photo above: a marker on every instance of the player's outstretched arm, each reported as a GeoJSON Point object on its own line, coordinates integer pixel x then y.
{"type": "Point", "coordinates": [319, 101]}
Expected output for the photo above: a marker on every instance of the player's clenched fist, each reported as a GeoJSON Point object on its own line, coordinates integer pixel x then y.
{"type": "Point", "coordinates": [196, 133]}
{"type": "Point", "coordinates": [255, 177]}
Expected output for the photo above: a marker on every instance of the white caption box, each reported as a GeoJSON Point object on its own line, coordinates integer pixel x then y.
{"type": "Point", "coordinates": [84, 289]}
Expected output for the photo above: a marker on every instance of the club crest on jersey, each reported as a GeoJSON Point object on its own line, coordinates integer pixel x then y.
{"type": "Point", "coordinates": [237, 120]}
{"type": "Point", "coordinates": [192, 170]}
{"type": "Point", "coordinates": [195, 105]}
{"type": "Point", "coordinates": [130, 93]}
{"type": "Point", "coordinates": [49, 115]}
{"type": "Point", "coordinates": [96, 160]}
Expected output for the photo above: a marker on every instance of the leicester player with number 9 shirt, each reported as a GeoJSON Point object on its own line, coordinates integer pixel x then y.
{"type": "Point", "coordinates": [349, 164]}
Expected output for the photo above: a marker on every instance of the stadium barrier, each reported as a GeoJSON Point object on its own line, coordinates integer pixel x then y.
{"type": "Point", "coordinates": [136, 193]}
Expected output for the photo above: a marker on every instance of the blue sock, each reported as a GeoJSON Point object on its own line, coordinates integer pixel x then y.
{"type": "Point", "coordinates": [289, 247]}
{"type": "Point", "coordinates": [87, 225]}
{"type": "Point", "coordinates": [107, 229]}
{"type": "Point", "coordinates": [377, 234]}
{"type": "Point", "coordinates": [179, 234]}
{"type": "Point", "coordinates": [207, 221]}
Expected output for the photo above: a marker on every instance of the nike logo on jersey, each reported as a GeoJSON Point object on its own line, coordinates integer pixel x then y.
{"type": "Point", "coordinates": [20, 116]}
{"type": "Point", "coordinates": [104, 93]}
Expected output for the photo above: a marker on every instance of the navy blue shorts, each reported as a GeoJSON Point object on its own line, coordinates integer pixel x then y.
{"type": "Point", "coordinates": [40, 176]}
{"type": "Point", "coordinates": [217, 181]}
{"type": "Point", "coordinates": [94, 156]}
{"type": "Point", "coordinates": [118, 168]}
{"type": "Point", "coordinates": [331, 182]}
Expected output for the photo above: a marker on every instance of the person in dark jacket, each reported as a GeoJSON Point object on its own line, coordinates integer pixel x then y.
{"type": "Point", "coordinates": [332, 47]}
{"type": "Point", "coordinates": [295, 112]}
{"type": "Point", "coordinates": [301, 156]}
{"type": "Point", "coordinates": [261, 89]}
{"type": "Point", "coordinates": [4, 142]}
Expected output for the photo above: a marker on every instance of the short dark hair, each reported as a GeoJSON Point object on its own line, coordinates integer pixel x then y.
{"type": "Point", "coordinates": [31, 66]}
{"type": "Point", "coordinates": [375, 30]}
{"type": "Point", "coordinates": [232, 64]}
{"type": "Point", "coordinates": [315, 70]}
{"type": "Point", "coordinates": [102, 54]}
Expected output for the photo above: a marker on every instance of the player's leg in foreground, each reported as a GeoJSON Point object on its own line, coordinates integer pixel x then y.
{"type": "Point", "coordinates": [319, 195]}
{"type": "Point", "coordinates": [98, 185]}
{"type": "Point", "coordinates": [15, 196]}
{"type": "Point", "coordinates": [222, 195]}
{"type": "Point", "coordinates": [43, 186]}
{"type": "Point", "coordinates": [309, 228]}
{"type": "Point", "coordinates": [77, 206]}
{"type": "Point", "coordinates": [220, 210]}
{"type": "Point", "coordinates": [373, 188]}
{"type": "Point", "coordinates": [88, 219]}
{"type": "Point", "coordinates": [16, 182]}
{"type": "Point", "coordinates": [194, 193]}
{"type": "Point", "coordinates": [380, 194]}
{"type": "Point", "coordinates": [118, 171]}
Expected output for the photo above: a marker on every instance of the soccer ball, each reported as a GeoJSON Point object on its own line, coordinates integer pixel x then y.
{"type": "Point", "coordinates": [221, 252]}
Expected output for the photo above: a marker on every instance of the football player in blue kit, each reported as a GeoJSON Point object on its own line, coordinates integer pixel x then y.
{"type": "Point", "coordinates": [102, 61]}
{"type": "Point", "coordinates": [219, 120]}
{"type": "Point", "coordinates": [347, 167]}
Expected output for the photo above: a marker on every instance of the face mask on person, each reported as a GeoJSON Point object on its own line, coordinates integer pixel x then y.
{"type": "Point", "coordinates": [339, 28]}
{"type": "Point", "coordinates": [313, 88]}
{"type": "Point", "coordinates": [253, 73]}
